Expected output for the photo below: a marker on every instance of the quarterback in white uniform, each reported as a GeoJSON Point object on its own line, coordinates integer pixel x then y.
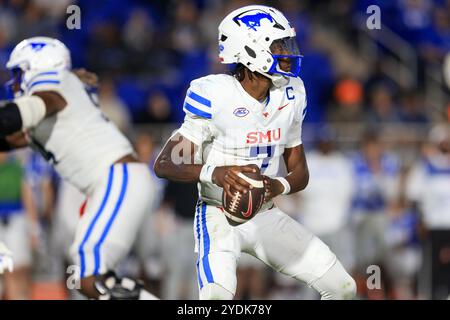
{"type": "Point", "coordinates": [250, 121]}
{"type": "Point", "coordinates": [54, 113]}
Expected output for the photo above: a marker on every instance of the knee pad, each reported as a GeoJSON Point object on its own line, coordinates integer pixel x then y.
{"type": "Point", "coordinates": [213, 291]}
{"type": "Point", "coordinates": [111, 287]}
{"type": "Point", "coordinates": [336, 284]}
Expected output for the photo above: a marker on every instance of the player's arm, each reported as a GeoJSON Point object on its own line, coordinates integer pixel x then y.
{"type": "Point", "coordinates": [176, 163]}
{"type": "Point", "coordinates": [26, 112]}
{"type": "Point", "coordinates": [297, 178]}
{"type": "Point", "coordinates": [298, 174]}
{"type": "Point", "coordinates": [294, 157]}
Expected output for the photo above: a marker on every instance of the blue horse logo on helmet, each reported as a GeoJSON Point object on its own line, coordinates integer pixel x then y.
{"type": "Point", "coordinates": [37, 46]}
{"type": "Point", "coordinates": [252, 21]}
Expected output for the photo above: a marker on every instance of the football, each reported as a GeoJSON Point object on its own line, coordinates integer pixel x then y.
{"type": "Point", "coordinates": [242, 207]}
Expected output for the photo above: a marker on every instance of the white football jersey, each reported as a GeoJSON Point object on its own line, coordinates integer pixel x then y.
{"type": "Point", "coordinates": [79, 141]}
{"type": "Point", "coordinates": [233, 128]}
{"type": "Point", "coordinates": [429, 184]}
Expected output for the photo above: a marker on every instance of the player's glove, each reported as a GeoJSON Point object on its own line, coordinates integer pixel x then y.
{"type": "Point", "coordinates": [6, 261]}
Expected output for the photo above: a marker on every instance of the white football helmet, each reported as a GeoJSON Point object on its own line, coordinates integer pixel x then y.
{"type": "Point", "coordinates": [39, 53]}
{"type": "Point", "coordinates": [258, 37]}
{"type": "Point", "coordinates": [36, 54]}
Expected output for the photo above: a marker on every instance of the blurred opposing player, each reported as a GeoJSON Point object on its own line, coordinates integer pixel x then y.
{"type": "Point", "coordinates": [248, 122]}
{"type": "Point", "coordinates": [54, 113]}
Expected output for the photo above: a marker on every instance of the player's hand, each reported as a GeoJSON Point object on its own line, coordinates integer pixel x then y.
{"type": "Point", "coordinates": [6, 261]}
{"type": "Point", "coordinates": [227, 178]}
{"type": "Point", "coordinates": [87, 77]}
{"type": "Point", "coordinates": [273, 188]}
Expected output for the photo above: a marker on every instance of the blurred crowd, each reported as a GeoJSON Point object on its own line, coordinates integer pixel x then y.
{"type": "Point", "coordinates": [378, 154]}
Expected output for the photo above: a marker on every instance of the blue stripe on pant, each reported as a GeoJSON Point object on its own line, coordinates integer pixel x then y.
{"type": "Point", "coordinates": [197, 227]}
{"type": "Point", "coordinates": [111, 219]}
{"type": "Point", "coordinates": [206, 247]}
{"type": "Point", "coordinates": [94, 221]}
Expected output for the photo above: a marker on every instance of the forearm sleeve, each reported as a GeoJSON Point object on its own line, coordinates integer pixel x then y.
{"type": "Point", "coordinates": [10, 119]}
{"type": "Point", "coordinates": [4, 145]}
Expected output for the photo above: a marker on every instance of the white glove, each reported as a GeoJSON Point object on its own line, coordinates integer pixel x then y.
{"type": "Point", "coordinates": [6, 261]}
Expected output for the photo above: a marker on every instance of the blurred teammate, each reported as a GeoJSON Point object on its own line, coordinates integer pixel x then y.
{"type": "Point", "coordinates": [245, 123]}
{"type": "Point", "coordinates": [18, 220]}
{"type": "Point", "coordinates": [55, 113]}
{"type": "Point", "coordinates": [428, 187]}
{"type": "Point", "coordinates": [325, 204]}
{"type": "Point", "coordinates": [376, 180]}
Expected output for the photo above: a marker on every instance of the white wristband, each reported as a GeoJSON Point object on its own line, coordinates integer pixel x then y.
{"type": "Point", "coordinates": [32, 110]}
{"type": "Point", "coordinates": [206, 173]}
{"type": "Point", "coordinates": [285, 183]}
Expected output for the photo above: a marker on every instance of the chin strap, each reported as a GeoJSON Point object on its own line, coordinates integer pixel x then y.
{"type": "Point", "coordinates": [278, 80]}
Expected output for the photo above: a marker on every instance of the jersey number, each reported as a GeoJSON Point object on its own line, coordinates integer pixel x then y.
{"type": "Point", "coordinates": [255, 151]}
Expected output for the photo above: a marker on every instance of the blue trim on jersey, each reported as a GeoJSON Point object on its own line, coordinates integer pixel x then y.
{"type": "Point", "coordinates": [268, 100]}
{"type": "Point", "coordinates": [206, 247]}
{"type": "Point", "coordinates": [43, 82]}
{"type": "Point", "coordinates": [94, 221]}
{"type": "Point", "coordinates": [200, 282]}
{"type": "Point", "coordinates": [304, 112]}
{"type": "Point", "coordinates": [196, 111]}
{"type": "Point", "coordinates": [434, 170]}
{"type": "Point", "coordinates": [49, 73]}
{"type": "Point", "coordinates": [111, 219]}
{"type": "Point", "coordinates": [199, 99]}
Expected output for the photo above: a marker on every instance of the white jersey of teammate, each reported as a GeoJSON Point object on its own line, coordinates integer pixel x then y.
{"type": "Point", "coordinates": [233, 128]}
{"type": "Point", "coordinates": [79, 140]}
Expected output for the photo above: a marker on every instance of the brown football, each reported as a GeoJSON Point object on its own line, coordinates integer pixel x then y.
{"type": "Point", "coordinates": [242, 207]}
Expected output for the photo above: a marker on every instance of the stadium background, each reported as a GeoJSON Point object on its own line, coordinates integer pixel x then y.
{"type": "Point", "coordinates": [376, 97]}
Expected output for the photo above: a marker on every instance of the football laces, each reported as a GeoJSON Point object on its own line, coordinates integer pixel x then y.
{"type": "Point", "coordinates": [235, 201]}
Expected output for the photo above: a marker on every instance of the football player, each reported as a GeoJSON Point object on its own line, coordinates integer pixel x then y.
{"type": "Point", "coordinates": [55, 113]}
{"type": "Point", "coordinates": [250, 121]}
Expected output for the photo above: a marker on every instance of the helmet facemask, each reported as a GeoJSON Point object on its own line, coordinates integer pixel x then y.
{"type": "Point", "coordinates": [13, 86]}
{"type": "Point", "coordinates": [286, 57]}
{"type": "Point", "coordinates": [286, 61]}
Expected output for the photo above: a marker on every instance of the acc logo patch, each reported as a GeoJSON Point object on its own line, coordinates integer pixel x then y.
{"type": "Point", "coordinates": [241, 112]}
